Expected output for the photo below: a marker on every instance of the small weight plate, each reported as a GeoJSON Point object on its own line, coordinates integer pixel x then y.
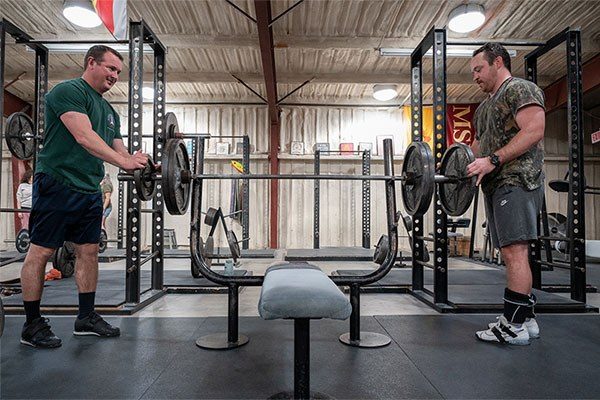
{"type": "Point", "coordinates": [103, 241]}
{"type": "Point", "coordinates": [64, 260]}
{"type": "Point", "coordinates": [234, 246]}
{"type": "Point", "coordinates": [212, 217]}
{"type": "Point", "coordinates": [22, 241]}
{"type": "Point", "coordinates": [145, 185]}
{"type": "Point", "coordinates": [171, 126]}
{"type": "Point", "coordinates": [381, 250]}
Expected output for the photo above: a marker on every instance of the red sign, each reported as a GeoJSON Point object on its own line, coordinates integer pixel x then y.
{"type": "Point", "coordinates": [459, 123]}
{"type": "Point", "coordinates": [596, 137]}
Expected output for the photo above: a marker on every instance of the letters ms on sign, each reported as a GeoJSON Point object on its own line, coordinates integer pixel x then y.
{"type": "Point", "coordinates": [596, 137]}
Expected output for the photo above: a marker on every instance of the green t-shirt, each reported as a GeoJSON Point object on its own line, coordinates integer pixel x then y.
{"type": "Point", "coordinates": [496, 125]}
{"type": "Point", "coordinates": [62, 157]}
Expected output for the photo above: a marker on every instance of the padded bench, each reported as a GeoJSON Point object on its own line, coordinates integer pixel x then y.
{"type": "Point", "coordinates": [301, 291]}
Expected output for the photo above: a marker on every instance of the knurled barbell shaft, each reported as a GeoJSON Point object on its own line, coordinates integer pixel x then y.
{"type": "Point", "coordinates": [437, 178]}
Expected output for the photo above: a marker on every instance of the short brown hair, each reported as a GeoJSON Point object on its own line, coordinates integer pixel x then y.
{"type": "Point", "coordinates": [491, 51]}
{"type": "Point", "coordinates": [97, 53]}
{"type": "Point", "coordinates": [26, 176]}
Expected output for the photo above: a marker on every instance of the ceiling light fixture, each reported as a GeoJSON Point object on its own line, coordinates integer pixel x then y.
{"type": "Point", "coordinates": [466, 18]}
{"type": "Point", "coordinates": [384, 92]}
{"type": "Point", "coordinates": [81, 13]}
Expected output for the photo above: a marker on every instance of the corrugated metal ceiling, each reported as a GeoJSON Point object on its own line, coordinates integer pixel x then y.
{"type": "Point", "coordinates": [332, 41]}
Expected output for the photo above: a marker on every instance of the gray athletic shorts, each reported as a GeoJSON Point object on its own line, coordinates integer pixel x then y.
{"type": "Point", "coordinates": [512, 214]}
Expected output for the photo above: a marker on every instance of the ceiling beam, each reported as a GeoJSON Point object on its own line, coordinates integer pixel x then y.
{"type": "Point", "coordinates": [185, 41]}
{"type": "Point", "coordinates": [291, 78]}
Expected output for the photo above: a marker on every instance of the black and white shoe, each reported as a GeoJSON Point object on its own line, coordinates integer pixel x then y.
{"type": "Point", "coordinates": [530, 323]}
{"type": "Point", "coordinates": [505, 333]}
{"type": "Point", "coordinates": [95, 325]}
{"type": "Point", "coordinates": [38, 334]}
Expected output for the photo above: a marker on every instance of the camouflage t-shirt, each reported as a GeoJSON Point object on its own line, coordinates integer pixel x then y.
{"type": "Point", "coordinates": [495, 126]}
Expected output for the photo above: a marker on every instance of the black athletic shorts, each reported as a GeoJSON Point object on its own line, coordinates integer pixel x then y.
{"type": "Point", "coordinates": [512, 214]}
{"type": "Point", "coordinates": [60, 214]}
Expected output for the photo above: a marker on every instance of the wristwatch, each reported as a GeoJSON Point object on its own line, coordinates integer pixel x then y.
{"type": "Point", "coordinates": [495, 160]}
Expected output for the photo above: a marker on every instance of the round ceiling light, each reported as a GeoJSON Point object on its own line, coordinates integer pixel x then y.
{"type": "Point", "coordinates": [385, 92]}
{"type": "Point", "coordinates": [81, 13]}
{"type": "Point", "coordinates": [466, 18]}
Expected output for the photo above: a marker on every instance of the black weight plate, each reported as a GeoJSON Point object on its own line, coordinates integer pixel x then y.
{"type": "Point", "coordinates": [175, 191]}
{"type": "Point", "coordinates": [64, 260]}
{"type": "Point", "coordinates": [212, 217]}
{"type": "Point", "coordinates": [145, 186]}
{"type": "Point", "coordinates": [456, 195]}
{"type": "Point", "coordinates": [22, 241]}
{"type": "Point", "coordinates": [103, 241]}
{"type": "Point", "coordinates": [381, 250]}
{"type": "Point", "coordinates": [196, 268]}
{"type": "Point", "coordinates": [209, 250]}
{"type": "Point", "coordinates": [234, 246]}
{"type": "Point", "coordinates": [418, 169]}
{"type": "Point", "coordinates": [19, 125]}
{"type": "Point", "coordinates": [171, 126]}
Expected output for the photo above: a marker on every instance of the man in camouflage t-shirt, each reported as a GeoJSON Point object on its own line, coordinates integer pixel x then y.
{"type": "Point", "coordinates": [509, 146]}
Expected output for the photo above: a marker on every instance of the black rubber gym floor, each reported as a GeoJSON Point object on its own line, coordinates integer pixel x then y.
{"type": "Point", "coordinates": [430, 357]}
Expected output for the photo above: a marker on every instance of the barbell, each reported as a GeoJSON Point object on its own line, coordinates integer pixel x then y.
{"type": "Point", "coordinates": [456, 190]}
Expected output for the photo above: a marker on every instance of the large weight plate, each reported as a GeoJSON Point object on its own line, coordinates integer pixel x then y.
{"type": "Point", "coordinates": [145, 186]}
{"type": "Point", "coordinates": [64, 260]}
{"type": "Point", "coordinates": [175, 191]}
{"type": "Point", "coordinates": [22, 241]}
{"type": "Point", "coordinates": [19, 135]}
{"type": "Point", "coordinates": [418, 170]}
{"type": "Point", "coordinates": [171, 126]}
{"type": "Point", "coordinates": [456, 195]}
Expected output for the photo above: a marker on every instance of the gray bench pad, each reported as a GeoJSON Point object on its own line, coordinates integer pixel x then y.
{"type": "Point", "coordinates": [301, 290]}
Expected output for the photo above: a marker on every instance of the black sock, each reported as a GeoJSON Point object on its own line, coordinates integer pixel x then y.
{"type": "Point", "coordinates": [516, 306]}
{"type": "Point", "coordinates": [532, 303]}
{"type": "Point", "coordinates": [86, 304]}
{"type": "Point", "coordinates": [32, 310]}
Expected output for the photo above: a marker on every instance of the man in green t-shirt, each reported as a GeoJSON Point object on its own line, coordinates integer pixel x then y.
{"type": "Point", "coordinates": [82, 132]}
{"type": "Point", "coordinates": [509, 126]}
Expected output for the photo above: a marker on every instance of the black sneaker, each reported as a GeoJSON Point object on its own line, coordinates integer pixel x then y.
{"type": "Point", "coordinates": [94, 325]}
{"type": "Point", "coordinates": [37, 333]}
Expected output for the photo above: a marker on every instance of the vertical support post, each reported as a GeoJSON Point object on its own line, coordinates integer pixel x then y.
{"type": "Point", "coordinates": [274, 185]}
{"type": "Point", "coordinates": [246, 193]}
{"type": "Point", "coordinates": [120, 213]}
{"type": "Point", "coordinates": [158, 216]}
{"type": "Point", "coordinates": [366, 200]}
{"type": "Point", "coordinates": [355, 315]}
{"type": "Point", "coordinates": [535, 246]}
{"type": "Point", "coordinates": [575, 218]}
{"type": "Point", "coordinates": [317, 202]}
{"type": "Point", "coordinates": [416, 104]}
{"type": "Point", "coordinates": [41, 88]}
{"type": "Point", "coordinates": [440, 230]}
{"type": "Point", "coordinates": [302, 358]}
{"type": "Point", "coordinates": [136, 80]}
{"type": "Point", "coordinates": [232, 314]}
{"type": "Point", "coordinates": [198, 168]}
{"type": "Point", "coordinates": [2, 64]}
{"type": "Point", "coordinates": [474, 224]}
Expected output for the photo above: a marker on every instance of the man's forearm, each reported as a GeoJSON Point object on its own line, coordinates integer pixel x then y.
{"type": "Point", "coordinates": [518, 145]}
{"type": "Point", "coordinates": [98, 148]}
